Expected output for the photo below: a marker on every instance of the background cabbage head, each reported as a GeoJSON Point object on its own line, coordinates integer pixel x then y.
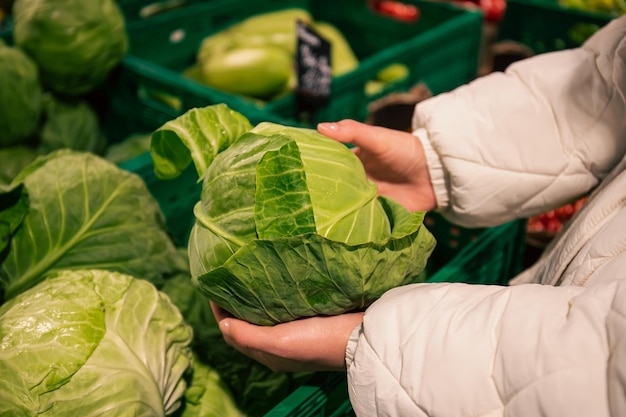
{"type": "Point", "coordinates": [70, 124]}
{"type": "Point", "coordinates": [288, 225]}
{"type": "Point", "coordinates": [20, 96]}
{"type": "Point", "coordinates": [75, 43]}
{"type": "Point", "coordinates": [92, 342]}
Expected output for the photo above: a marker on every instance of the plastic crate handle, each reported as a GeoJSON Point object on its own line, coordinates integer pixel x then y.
{"type": "Point", "coordinates": [159, 7]}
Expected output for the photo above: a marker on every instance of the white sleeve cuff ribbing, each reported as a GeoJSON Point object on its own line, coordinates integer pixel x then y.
{"type": "Point", "coordinates": [435, 169]}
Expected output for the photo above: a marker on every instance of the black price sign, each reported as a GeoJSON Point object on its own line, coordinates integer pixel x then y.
{"type": "Point", "coordinates": [313, 69]}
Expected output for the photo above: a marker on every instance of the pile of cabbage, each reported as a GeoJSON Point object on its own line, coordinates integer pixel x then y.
{"type": "Point", "coordinates": [74, 43]}
{"type": "Point", "coordinates": [58, 54]}
{"type": "Point", "coordinates": [288, 225]}
{"type": "Point", "coordinates": [101, 313]}
{"type": "Point", "coordinates": [96, 312]}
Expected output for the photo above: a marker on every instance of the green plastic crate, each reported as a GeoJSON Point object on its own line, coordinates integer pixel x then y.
{"type": "Point", "coordinates": [134, 10]}
{"type": "Point", "coordinates": [6, 31]}
{"type": "Point", "coordinates": [545, 26]}
{"type": "Point", "coordinates": [441, 49]}
{"type": "Point", "coordinates": [476, 256]}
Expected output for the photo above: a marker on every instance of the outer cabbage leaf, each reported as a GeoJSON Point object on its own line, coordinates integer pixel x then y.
{"type": "Point", "coordinates": [275, 281]}
{"type": "Point", "coordinates": [289, 226]}
{"type": "Point", "coordinates": [75, 43]}
{"type": "Point", "coordinates": [196, 136]}
{"type": "Point", "coordinates": [92, 342]}
{"type": "Point", "coordinates": [86, 213]}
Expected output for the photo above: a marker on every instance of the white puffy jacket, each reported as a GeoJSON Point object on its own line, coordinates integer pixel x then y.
{"type": "Point", "coordinates": [553, 343]}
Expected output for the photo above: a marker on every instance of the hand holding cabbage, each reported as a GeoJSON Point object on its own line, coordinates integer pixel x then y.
{"type": "Point", "coordinates": [288, 225]}
{"type": "Point", "coordinates": [393, 159]}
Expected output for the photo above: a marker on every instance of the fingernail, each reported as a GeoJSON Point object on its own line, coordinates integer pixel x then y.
{"type": "Point", "coordinates": [225, 325]}
{"type": "Point", "coordinates": [329, 126]}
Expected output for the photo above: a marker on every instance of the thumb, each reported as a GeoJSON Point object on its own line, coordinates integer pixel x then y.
{"type": "Point", "coordinates": [232, 335]}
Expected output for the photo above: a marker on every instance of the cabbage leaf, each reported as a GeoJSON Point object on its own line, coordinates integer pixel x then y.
{"type": "Point", "coordinates": [85, 213]}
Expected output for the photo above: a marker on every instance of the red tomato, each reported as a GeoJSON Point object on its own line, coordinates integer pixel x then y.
{"type": "Point", "coordinates": [397, 10]}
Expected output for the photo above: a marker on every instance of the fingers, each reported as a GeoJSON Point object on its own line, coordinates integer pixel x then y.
{"type": "Point", "coordinates": [374, 140]}
{"type": "Point", "coordinates": [370, 138]}
{"type": "Point", "coordinates": [227, 324]}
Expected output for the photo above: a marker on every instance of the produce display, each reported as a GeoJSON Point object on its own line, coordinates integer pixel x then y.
{"type": "Point", "coordinates": [82, 212]}
{"type": "Point", "coordinates": [288, 225]}
{"type": "Point", "coordinates": [14, 158]}
{"type": "Point", "coordinates": [102, 311]}
{"type": "Point", "coordinates": [97, 312]}
{"type": "Point", "coordinates": [130, 147]}
{"type": "Point", "coordinates": [70, 125]}
{"type": "Point", "coordinates": [254, 387]}
{"type": "Point", "coordinates": [61, 55]}
{"type": "Point", "coordinates": [256, 56]}
{"type": "Point", "coordinates": [74, 43]}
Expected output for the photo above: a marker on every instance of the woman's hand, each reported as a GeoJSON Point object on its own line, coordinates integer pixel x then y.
{"type": "Point", "coordinates": [393, 159]}
{"type": "Point", "coordinates": [310, 344]}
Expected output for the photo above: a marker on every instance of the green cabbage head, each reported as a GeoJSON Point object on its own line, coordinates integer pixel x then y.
{"type": "Point", "coordinates": [92, 343]}
{"type": "Point", "coordinates": [288, 225]}
{"type": "Point", "coordinates": [20, 96]}
{"type": "Point", "coordinates": [70, 124]}
{"type": "Point", "coordinates": [75, 43]}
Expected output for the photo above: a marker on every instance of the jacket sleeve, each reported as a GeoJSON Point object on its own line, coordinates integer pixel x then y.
{"type": "Point", "coordinates": [471, 350]}
{"type": "Point", "coordinates": [511, 145]}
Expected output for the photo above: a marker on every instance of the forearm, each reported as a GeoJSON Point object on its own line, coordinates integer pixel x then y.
{"type": "Point", "coordinates": [512, 145]}
{"type": "Point", "coordinates": [456, 349]}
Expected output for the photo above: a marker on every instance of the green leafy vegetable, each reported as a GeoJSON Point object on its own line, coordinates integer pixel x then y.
{"type": "Point", "coordinates": [75, 43]}
{"type": "Point", "coordinates": [14, 159]}
{"type": "Point", "coordinates": [129, 148]}
{"type": "Point", "coordinates": [85, 213]}
{"type": "Point", "coordinates": [70, 124]}
{"type": "Point", "coordinates": [13, 208]}
{"type": "Point", "coordinates": [92, 342]}
{"type": "Point", "coordinates": [288, 225]}
{"type": "Point", "coordinates": [20, 96]}
{"type": "Point", "coordinates": [207, 395]}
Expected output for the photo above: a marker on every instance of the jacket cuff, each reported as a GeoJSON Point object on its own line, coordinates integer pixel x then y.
{"type": "Point", "coordinates": [435, 169]}
{"type": "Point", "coordinates": [352, 342]}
